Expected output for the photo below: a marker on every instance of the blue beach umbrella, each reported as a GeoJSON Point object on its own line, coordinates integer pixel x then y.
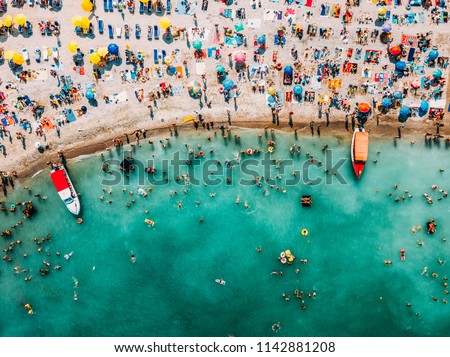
{"type": "Point", "coordinates": [298, 90]}
{"type": "Point", "coordinates": [90, 95]}
{"type": "Point", "coordinates": [404, 111]}
{"type": "Point", "coordinates": [402, 118]}
{"type": "Point", "coordinates": [261, 39]}
{"type": "Point", "coordinates": [270, 99]}
{"type": "Point", "coordinates": [437, 74]}
{"type": "Point", "coordinates": [228, 84]}
{"type": "Point", "coordinates": [220, 68]}
{"type": "Point", "coordinates": [113, 49]}
{"type": "Point", "coordinates": [387, 27]}
{"type": "Point", "coordinates": [397, 94]}
{"type": "Point", "coordinates": [433, 55]}
{"type": "Point", "coordinates": [197, 44]}
{"type": "Point", "coordinates": [423, 109]}
{"type": "Point", "coordinates": [400, 65]}
{"type": "Point", "coordinates": [386, 102]}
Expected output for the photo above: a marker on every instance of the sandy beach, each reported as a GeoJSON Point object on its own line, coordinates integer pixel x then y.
{"type": "Point", "coordinates": [94, 130]}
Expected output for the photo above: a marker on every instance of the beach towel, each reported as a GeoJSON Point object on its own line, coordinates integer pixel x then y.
{"type": "Point", "coordinates": [120, 97]}
{"type": "Point", "coordinates": [270, 101]}
{"type": "Point", "coordinates": [200, 68]}
{"type": "Point", "coordinates": [411, 54]}
{"type": "Point", "coordinates": [315, 83]}
{"type": "Point", "coordinates": [41, 75]}
{"type": "Point", "coordinates": [177, 90]}
{"type": "Point", "coordinates": [7, 120]}
{"type": "Point", "coordinates": [381, 77]}
{"type": "Point", "coordinates": [309, 3]}
{"type": "Point", "coordinates": [443, 17]}
{"type": "Point", "coordinates": [254, 23]}
{"type": "Point", "coordinates": [325, 10]}
{"type": "Point", "coordinates": [211, 51]}
{"type": "Point", "coordinates": [421, 17]}
{"type": "Point", "coordinates": [69, 115]}
{"type": "Point", "coordinates": [419, 70]}
{"type": "Point", "coordinates": [410, 18]}
{"type": "Point", "coordinates": [179, 71]}
{"type": "Point", "coordinates": [218, 37]}
{"type": "Point", "coordinates": [270, 15]}
{"type": "Point", "coordinates": [181, 8]}
{"type": "Point", "coordinates": [358, 54]}
{"type": "Point", "coordinates": [230, 41]}
{"type": "Point", "coordinates": [47, 124]}
{"type": "Point", "coordinates": [228, 13]}
{"type": "Point", "coordinates": [336, 11]}
{"type": "Point", "coordinates": [408, 40]}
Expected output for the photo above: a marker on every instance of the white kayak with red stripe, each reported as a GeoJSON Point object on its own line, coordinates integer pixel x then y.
{"type": "Point", "coordinates": [65, 189]}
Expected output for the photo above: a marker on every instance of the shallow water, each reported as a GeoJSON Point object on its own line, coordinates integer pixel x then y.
{"type": "Point", "coordinates": [170, 289]}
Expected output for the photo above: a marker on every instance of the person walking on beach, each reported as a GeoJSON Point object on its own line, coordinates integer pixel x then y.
{"type": "Point", "coordinates": [353, 122]}
{"type": "Point", "coordinates": [399, 132]}
{"type": "Point", "coordinates": [311, 125]}
{"type": "Point", "coordinates": [229, 117]}
{"type": "Point", "coordinates": [318, 130]}
{"type": "Point", "coordinates": [346, 122]}
{"type": "Point", "coordinates": [327, 115]}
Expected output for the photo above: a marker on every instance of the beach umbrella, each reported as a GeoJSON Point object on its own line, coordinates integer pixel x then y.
{"type": "Point", "coordinates": [8, 20]}
{"type": "Point", "coordinates": [85, 22]}
{"type": "Point", "coordinates": [386, 28]}
{"type": "Point", "coordinates": [9, 54]}
{"type": "Point", "coordinates": [288, 70]}
{"type": "Point", "coordinates": [298, 90]}
{"type": "Point", "coordinates": [402, 118]}
{"type": "Point", "coordinates": [415, 83]}
{"type": "Point", "coordinates": [87, 6]}
{"type": "Point", "coordinates": [76, 20]}
{"type": "Point", "coordinates": [197, 44]}
{"type": "Point", "coordinates": [395, 50]}
{"type": "Point", "coordinates": [144, 1]}
{"type": "Point", "coordinates": [433, 54]}
{"type": "Point", "coordinates": [405, 111]}
{"type": "Point", "coordinates": [400, 65]}
{"type": "Point", "coordinates": [281, 29]}
{"type": "Point", "coordinates": [102, 51]}
{"type": "Point", "coordinates": [1, 24]}
{"type": "Point", "coordinates": [94, 57]}
{"type": "Point", "coordinates": [386, 102]}
{"type": "Point", "coordinates": [382, 11]}
{"type": "Point", "coordinates": [113, 49]}
{"type": "Point", "coordinates": [239, 57]}
{"type": "Point", "coordinates": [437, 74]}
{"type": "Point", "coordinates": [270, 99]}
{"type": "Point", "coordinates": [261, 39]}
{"type": "Point", "coordinates": [164, 23]}
{"type": "Point", "coordinates": [20, 19]}
{"type": "Point", "coordinates": [194, 88]}
{"type": "Point", "coordinates": [238, 26]}
{"type": "Point", "coordinates": [188, 118]}
{"type": "Point", "coordinates": [18, 59]}
{"type": "Point", "coordinates": [90, 95]}
{"type": "Point", "coordinates": [271, 90]}
{"type": "Point", "coordinates": [220, 68]}
{"type": "Point", "coordinates": [424, 106]}
{"type": "Point", "coordinates": [72, 46]}
{"type": "Point", "coordinates": [364, 107]}
{"type": "Point", "coordinates": [397, 94]}
{"type": "Point", "coordinates": [168, 60]}
{"type": "Point", "coordinates": [228, 84]}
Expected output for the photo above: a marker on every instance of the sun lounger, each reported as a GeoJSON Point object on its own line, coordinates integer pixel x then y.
{"type": "Point", "coordinates": [110, 5]}
{"type": "Point", "coordinates": [118, 31]}
{"type": "Point", "coordinates": [168, 7]}
{"type": "Point", "coordinates": [45, 53]}
{"type": "Point", "coordinates": [100, 26]}
{"type": "Point", "coordinates": [111, 33]}
{"type": "Point", "coordinates": [163, 54]}
{"type": "Point", "coordinates": [105, 5]}
{"type": "Point", "coordinates": [156, 32]}
{"type": "Point", "coordinates": [31, 3]}
{"type": "Point", "coordinates": [141, 7]}
{"type": "Point", "coordinates": [149, 7]}
{"type": "Point", "coordinates": [120, 5]}
{"type": "Point", "coordinates": [138, 31]}
{"type": "Point", "coordinates": [25, 55]}
{"type": "Point", "coordinates": [155, 55]}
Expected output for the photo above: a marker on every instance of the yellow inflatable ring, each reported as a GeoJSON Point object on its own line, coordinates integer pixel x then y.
{"type": "Point", "coordinates": [271, 149]}
{"type": "Point", "coordinates": [304, 232]}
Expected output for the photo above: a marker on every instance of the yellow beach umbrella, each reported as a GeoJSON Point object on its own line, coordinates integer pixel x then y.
{"type": "Point", "coordinates": [271, 91]}
{"type": "Point", "coordinates": [168, 60]}
{"type": "Point", "coordinates": [102, 51]}
{"type": "Point", "coordinates": [144, 1]}
{"type": "Point", "coordinates": [164, 23]}
{"type": "Point", "coordinates": [9, 54]}
{"type": "Point", "coordinates": [1, 24]}
{"type": "Point", "coordinates": [72, 46]}
{"type": "Point", "coordinates": [76, 20]}
{"type": "Point", "coordinates": [20, 19]}
{"type": "Point", "coordinates": [188, 118]}
{"type": "Point", "coordinates": [85, 22]}
{"type": "Point", "coordinates": [18, 59]}
{"type": "Point", "coordinates": [8, 20]}
{"type": "Point", "coordinates": [94, 57]}
{"type": "Point", "coordinates": [382, 11]}
{"type": "Point", "coordinates": [87, 6]}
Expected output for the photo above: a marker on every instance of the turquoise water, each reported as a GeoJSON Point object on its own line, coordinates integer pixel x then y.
{"type": "Point", "coordinates": [170, 289]}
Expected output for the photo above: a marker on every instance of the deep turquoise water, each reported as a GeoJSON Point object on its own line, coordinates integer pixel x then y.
{"type": "Point", "coordinates": [170, 289]}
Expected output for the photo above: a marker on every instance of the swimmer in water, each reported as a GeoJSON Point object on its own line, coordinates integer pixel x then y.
{"type": "Point", "coordinates": [67, 256]}
{"type": "Point", "coordinates": [238, 200]}
{"type": "Point", "coordinates": [425, 271]}
{"type": "Point", "coordinates": [75, 296]}
{"type": "Point", "coordinates": [133, 258]}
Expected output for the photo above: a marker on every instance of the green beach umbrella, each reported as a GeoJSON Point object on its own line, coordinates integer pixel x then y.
{"type": "Point", "coordinates": [238, 26]}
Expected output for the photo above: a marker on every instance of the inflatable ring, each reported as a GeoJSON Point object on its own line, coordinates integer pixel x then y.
{"type": "Point", "coordinates": [278, 66]}
{"type": "Point", "coordinates": [143, 79]}
{"type": "Point", "coordinates": [304, 232]}
{"type": "Point", "coordinates": [80, 220]}
{"type": "Point", "coordinates": [221, 89]}
{"type": "Point", "coordinates": [283, 261]}
{"type": "Point", "coordinates": [249, 151]}
{"type": "Point", "coordinates": [271, 149]}
{"type": "Point", "coordinates": [282, 254]}
{"type": "Point", "coordinates": [201, 154]}
{"type": "Point", "coordinates": [13, 206]}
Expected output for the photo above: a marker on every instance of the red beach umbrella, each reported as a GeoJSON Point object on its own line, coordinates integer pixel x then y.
{"type": "Point", "coordinates": [363, 107]}
{"type": "Point", "coordinates": [395, 50]}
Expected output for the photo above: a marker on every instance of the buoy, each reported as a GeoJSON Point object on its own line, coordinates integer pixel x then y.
{"type": "Point", "coordinates": [271, 149]}
{"type": "Point", "coordinates": [221, 89]}
{"type": "Point", "coordinates": [278, 66]}
{"type": "Point", "coordinates": [304, 232]}
{"type": "Point", "coordinates": [80, 220]}
{"type": "Point", "coordinates": [249, 151]}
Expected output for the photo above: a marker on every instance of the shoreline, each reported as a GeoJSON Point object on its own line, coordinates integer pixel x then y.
{"type": "Point", "coordinates": [28, 170]}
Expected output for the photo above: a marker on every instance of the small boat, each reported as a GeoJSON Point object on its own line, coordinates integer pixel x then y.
{"type": "Point", "coordinates": [359, 150]}
{"type": "Point", "coordinates": [65, 189]}
{"type": "Point", "coordinates": [220, 281]}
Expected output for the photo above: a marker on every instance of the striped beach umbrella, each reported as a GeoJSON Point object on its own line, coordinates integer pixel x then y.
{"type": "Point", "coordinates": [194, 88]}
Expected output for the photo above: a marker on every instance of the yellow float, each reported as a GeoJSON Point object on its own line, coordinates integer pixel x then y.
{"type": "Point", "coordinates": [304, 232]}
